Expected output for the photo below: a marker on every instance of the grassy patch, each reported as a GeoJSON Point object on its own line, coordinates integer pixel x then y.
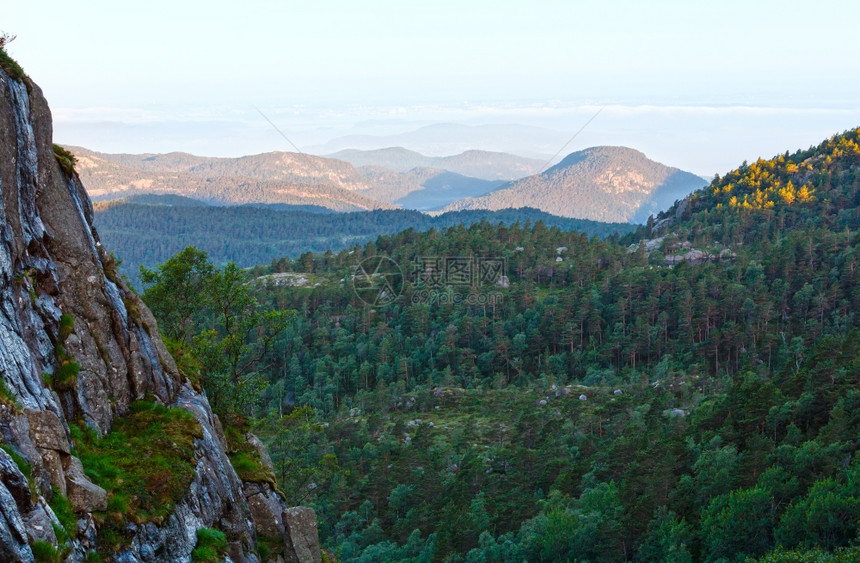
{"type": "Point", "coordinates": [43, 552]}
{"type": "Point", "coordinates": [66, 159]}
{"type": "Point", "coordinates": [10, 66]}
{"type": "Point", "coordinates": [19, 460]}
{"type": "Point", "coordinates": [63, 510]}
{"type": "Point", "coordinates": [269, 548]}
{"type": "Point", "coordinates": [146, 464]}
{"type": "Point", "coordinates": [187, 363]}
{"type": "Point", "coordinates": [67, 325]}
{"type": "Point", "coordinates": [243, 456]}
{"type": "Point", "coordinates": [66, 376]}
{"type": "Point", "coordinates": [6, 396]}
{"type": "Point", "coordinates": [211, 545]}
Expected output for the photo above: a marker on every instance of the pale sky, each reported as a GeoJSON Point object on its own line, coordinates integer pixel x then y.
{"type": "Point", "coordinates": [694, 85]}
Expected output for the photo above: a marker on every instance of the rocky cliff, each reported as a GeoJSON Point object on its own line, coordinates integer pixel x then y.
{"type": "Point", "coordinates": [79, 355]}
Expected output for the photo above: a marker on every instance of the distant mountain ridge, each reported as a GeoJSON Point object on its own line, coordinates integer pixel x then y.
{"type": "Point", "coordinates": [610, 184]}
{"type": "Point", "coordinates": [442, 187]}
{"type": "Point", "coordinates": [423, 189]}
{"type": "Point", "coordinates": [600, 183]}
{"type": "Point", "coordinates": [275, 178]}
{"type": "Point", "coordinates": [292, 179]}
{"type": "Point", "coordinates": [453, 138]}
{"type": "Point", "coordinates": [486, 165]}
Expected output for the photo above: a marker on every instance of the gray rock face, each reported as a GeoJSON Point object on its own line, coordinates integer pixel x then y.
{"type": "Point", "coordinates": [296, 527]}
{"type": "Point", "coordinates": [83, 494]}
{"type": "Point", "coordinates": [261, 450]}
{"type": "Point", "coordinates": [39, 525]}
{"type": "Point", "coordinates": [14, 498]}
{"type": "Point", "coordinates": [301, 525]}
{"type": "Point", "coordinates": [52, 264]}
{"type": "Point", "coordinates": [15, 482]}
{"type": "Point", "coordinates": [47, 431]}
{"type": "Point", "coordinates": [266, 509]}
{"type": "Point", "coordinates": [53, 467]}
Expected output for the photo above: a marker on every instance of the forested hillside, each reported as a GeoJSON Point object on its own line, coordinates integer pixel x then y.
{"type": "Point", "coordinates": [688, 392]}
{"type": "Point", "coordinates": [146, 234]}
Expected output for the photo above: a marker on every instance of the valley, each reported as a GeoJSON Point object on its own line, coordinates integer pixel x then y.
{"type": "Point", "coordinates": [611, 402]}
{"type": "Point", "coordinates": [143, 234]}
{"type": "Point", "coordinates": [425, 353]}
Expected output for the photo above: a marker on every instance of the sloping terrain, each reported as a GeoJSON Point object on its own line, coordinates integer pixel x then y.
{"type": "Point", "coordinates": [600, 183]}
{"type": "Point", "coordinates": [486, 165]}
{"type": "Point", "coordinates": [251, 235]}
{"type": "Point", "coordinates": [283, 178]}
{"type": "Point", "coordinates": [108, 451]}
{"type": "Point", "coordinates": [288, 178]}
{"type": "Point", "coordinates": [686, 393]}
{"type": "Point", "coordinates": [424, 189]}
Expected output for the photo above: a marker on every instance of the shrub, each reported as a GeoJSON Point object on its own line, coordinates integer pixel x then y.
{"type": "Point", "coordinates": [111, 267]}
{"type": "Point", "coordinates": [7, 63]}
{"type": "Point", "coordinates": [269, 548]}
{"type": "Point", "coordinates": [66, 376]}
{"type": "Point", "coordinates": [6, 38]}
{"type": "Point", "coordinates": [66, 159]}
{"type": "Point", "coordinates": [132, 308]}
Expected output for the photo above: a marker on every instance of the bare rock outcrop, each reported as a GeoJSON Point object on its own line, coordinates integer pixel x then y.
{"type": "Point", "coordinates": [83, 494]}
{"type": "Point", "coordinates": [62, 306]}
{"type": "Point", "coordinates": [301, 523]}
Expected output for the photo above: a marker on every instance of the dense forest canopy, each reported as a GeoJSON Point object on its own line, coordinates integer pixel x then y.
{"type": "Point", "coordinates": [688, 392]}
{"type": "Point", "coordinates": [148, 234]}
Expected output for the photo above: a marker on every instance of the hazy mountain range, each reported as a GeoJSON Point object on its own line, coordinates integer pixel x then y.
{"type": "Point", "coordinates": [292, 179]}
{"type": "Point", "coordinates": [288, 178]}
{"type": "Point", "coordinates": [614, 184]}
{"type": "Point", "coordinates": [423, 189]}
{"type": "Point", "coordinates": [452, 138]}
{"type": "Point", "coordinates": [600, 183]}
{"type": "Point", "coordinates": [485, 165]}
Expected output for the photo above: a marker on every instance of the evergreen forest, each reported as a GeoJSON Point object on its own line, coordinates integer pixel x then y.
{"type": "Point", "coordinates": [518, 391]}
